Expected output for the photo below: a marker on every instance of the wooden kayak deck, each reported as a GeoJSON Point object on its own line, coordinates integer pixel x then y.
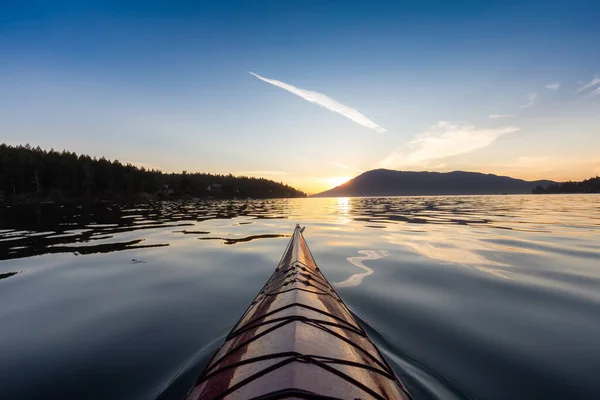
{"type": "Point", "coordinates": [297, 339]}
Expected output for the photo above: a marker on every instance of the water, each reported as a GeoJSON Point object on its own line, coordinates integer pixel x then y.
{"type": "Point", "coordinates": [488, 297]}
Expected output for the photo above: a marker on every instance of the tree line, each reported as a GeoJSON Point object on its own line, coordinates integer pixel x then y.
{"type": "Point", "coordinates": [591, 185]}
{"type": "Point", "coordinates": [28, 173]}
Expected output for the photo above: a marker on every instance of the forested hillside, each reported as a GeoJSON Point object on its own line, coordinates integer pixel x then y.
{"type": "Point", "coordinates": [591, 185]}
{"type": "Point", "coordinates": [34, 173]}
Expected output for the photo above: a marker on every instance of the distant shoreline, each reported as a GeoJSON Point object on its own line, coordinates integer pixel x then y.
{"type": "Point", "coordinates": [35, 175]}
{"type": "Point", "coordinates": [438, 195]}
{"type": "Point", "coordinates": [385, 182]}
{"type": "Point", "coordinates": [148, 198]}
{"type": "Point", "coordinates": [137, 198]}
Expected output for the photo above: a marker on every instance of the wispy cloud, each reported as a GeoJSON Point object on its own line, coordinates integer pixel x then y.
{"type": "Point", "coordinates": [530, 100]}
{"type": "Point", "coordinates": [347, 167]}
{"type": "Point", "coordinates": [594, 83]}
{"type": "Point", "coordinates": [496, 116]}
{"type": "Point", "coordinates": [262, 173]}
{"type": "Point", "coordinates": [326, 102]}
{"type": "Point", "coordinates": [553, 86]}
{"type": "Point", "coordinates": [443, 140]}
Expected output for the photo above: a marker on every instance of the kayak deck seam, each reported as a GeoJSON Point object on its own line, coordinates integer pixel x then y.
{"type": "Point", "coordinates": [297, 318]}
{"type": "Point", "coordinates": [295, 356]}
{"type": "Point", "coordinates": [289, 360]}
{"type": "Point", "coordinates": [288, 321]}
{"type": "Point", "coordinates": [252, 321]}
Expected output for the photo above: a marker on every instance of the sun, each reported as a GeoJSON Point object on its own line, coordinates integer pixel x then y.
{"type": "Point", "coordinates": [338, 180]}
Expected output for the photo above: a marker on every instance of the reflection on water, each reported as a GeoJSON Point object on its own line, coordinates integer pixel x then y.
{"type": "Point", "coordinates": [481, 255]}
{"type": "Point", "coordinates": [244, 239]}
{"type": "Point", "coordinates": [357, 279]}
{"type": "Point", "coordinates": [7, 274]}
{"type": "Point", "coordinates": [28, 231]}
{"type": "Point", "coordinates": [468, 296]}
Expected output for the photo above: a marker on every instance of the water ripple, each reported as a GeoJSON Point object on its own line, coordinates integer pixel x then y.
{"type": "Point", "coordinates": [489, 297]}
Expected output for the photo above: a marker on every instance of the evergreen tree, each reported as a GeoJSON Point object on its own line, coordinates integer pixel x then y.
{"type": "Point", "coordinates": [33, 172]}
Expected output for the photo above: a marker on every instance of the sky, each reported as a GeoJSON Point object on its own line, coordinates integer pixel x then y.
{"type": "Point", "coordinates": [308, 92]}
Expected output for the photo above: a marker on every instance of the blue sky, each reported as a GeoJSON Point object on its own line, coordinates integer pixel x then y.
{"type": "Point", "coordinates": [507, 87]}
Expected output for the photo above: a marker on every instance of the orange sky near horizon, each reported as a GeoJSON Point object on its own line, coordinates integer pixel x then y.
{"type": "Point", "coordinates": [322, 179]}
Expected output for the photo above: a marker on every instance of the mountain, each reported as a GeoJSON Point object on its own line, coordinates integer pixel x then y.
{"type": "Point", "coordinates": [385, 182]}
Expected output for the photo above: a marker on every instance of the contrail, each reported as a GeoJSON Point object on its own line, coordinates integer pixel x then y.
{"type": "Point", "coordinates": [326, 102]}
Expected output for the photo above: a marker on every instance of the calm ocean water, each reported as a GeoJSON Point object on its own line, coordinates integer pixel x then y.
{"type": "Point", "coordinates": [486, 297]}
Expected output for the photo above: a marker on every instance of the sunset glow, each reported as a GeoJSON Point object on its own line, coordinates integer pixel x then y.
{"type": "Point", "coordinates": [308, 105]}
{"type": "Point", "coordinates": [338, 180]}
{"type": "Point", "coordinates": [436, 164]}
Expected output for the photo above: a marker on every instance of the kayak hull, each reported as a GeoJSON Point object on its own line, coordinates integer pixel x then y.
{"type": "Point", "coordinates": [297, 339]}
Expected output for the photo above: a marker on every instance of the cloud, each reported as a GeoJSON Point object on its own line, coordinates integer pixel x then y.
{"type": "Point", "coordinates": [443, 140]}
{"type": "Point", "coordinates": [262, 173]}
{"type": "Point", "coordinates": [326, 102]}
{"type": "Point", "coordinates": [496, 116]}
{"type": "Point", "coordinates": [553, 86]}
{"type": "Point", "coordinates": [591, 84]}
{"type": "Point", "coordinates": [347, 167]}
{"type": "Point", "coordinates": [530, 100]}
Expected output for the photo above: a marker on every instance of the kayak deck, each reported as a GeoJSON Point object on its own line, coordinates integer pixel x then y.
{"type": "Point", "coordinates": [297, 339]}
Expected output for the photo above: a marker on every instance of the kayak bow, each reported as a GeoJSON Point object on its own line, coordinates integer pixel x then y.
{"type": "Point", "coordinates": [297, 339]}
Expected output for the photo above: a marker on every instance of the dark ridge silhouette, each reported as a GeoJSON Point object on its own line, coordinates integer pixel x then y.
{"type": "Point", "coordinates": [591, 185]}
{"type": "Point", "coordinates": [36, 175]}
{"type": "Point", "coordinates": [385, 182]}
